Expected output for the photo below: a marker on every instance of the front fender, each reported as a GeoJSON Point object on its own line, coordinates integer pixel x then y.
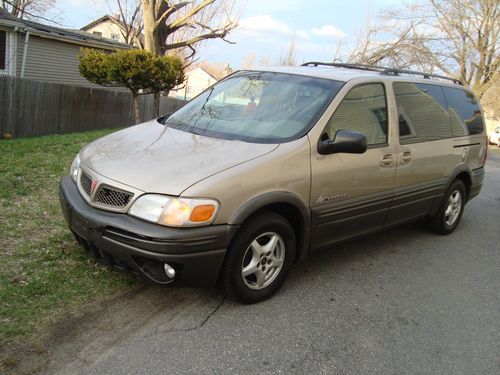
{"type": "Point", "coordinates": [281, 201]}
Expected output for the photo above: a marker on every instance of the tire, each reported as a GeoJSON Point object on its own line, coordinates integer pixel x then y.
{"type": "Point", "coordinates": [264, 249]}
{"type": "Point", "coordinates": [450, 210]}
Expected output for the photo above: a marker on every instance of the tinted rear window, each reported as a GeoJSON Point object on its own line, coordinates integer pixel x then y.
{"type": "Point", "coordinates": [422, 112]}
{"type": "Point", "coordinates": [465, 113]}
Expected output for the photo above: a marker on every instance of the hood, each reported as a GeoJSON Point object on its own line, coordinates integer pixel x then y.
{"type": "Point", "coordinates": [158, 159]}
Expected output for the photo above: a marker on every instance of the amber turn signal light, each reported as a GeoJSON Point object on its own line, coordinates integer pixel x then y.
{"type": "Point", "coordinates": [202, 213]}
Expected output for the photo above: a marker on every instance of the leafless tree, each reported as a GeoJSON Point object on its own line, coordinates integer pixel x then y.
{"type": "Point", "coordinates": [130, 19]}
{"type": "Point", "coordinates": [339, 46]}
{"type": "Point", "coordinates": [289, 56]}
{"type": "Point", "coordinates": [178, 27]}
{"type": "Point", "coordinates": [460, 38]}
{"type": "Point", "coordinates": [265, 61]}
{"type": "Point", "coordinates": [491, 99]}
{"type": "Point", "coordinates": [248, 61]}
{"type": "Point", "coordinates": [176, 24]}
{"type": "Point", "coordinates": [28, 9]}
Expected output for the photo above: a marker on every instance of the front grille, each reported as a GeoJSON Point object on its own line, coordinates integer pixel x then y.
{"type": "Point", "coordinates": [85, 182]}
{"type": "Point", "coordinates": [111, 197]}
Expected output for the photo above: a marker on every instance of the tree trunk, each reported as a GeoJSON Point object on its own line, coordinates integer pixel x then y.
{"type": "Point", "coordinates": [156, 106]}
{"type": "Point", "coordinates": [150, 30]}
{"type": "Point", "coordinates": [135, 97]}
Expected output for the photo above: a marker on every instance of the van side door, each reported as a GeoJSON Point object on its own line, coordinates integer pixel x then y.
{"type": "Point", "coordinates": [351, 193]}
{"type": "Point", "coordinates": [425, 150]}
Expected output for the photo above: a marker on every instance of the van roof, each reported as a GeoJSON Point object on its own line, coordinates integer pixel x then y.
{"type": "Point", "coordinates": [345, 74]}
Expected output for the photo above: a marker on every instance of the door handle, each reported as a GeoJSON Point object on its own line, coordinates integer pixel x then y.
{"type": "Point", "coordinates": [386, 160]}
{"type": "Point", "coordinates": [405, 157]}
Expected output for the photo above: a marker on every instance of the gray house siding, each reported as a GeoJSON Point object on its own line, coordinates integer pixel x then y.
{"type": "Point", "coordinates": [50, 60]}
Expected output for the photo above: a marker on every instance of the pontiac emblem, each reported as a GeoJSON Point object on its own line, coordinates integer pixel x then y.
{"type": "Point", "coordinates": [93, 185]}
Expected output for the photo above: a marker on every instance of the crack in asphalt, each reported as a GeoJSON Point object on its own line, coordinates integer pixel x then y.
{"type": "Point", "coordinates": [203, 322]}
{"type": "Point", "coordinates": [84, 362]}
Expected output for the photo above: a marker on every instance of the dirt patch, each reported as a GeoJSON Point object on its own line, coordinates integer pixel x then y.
{"type": "Point", "coordinates": [88, 336]}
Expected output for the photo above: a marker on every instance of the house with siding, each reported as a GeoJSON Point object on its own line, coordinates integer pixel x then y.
{"type": "Point", "coordinates": [46, 53]}
{"type": "Point", "coordinates": [112, 27]}
{"type": "Point", "coordinates": [197, 79]}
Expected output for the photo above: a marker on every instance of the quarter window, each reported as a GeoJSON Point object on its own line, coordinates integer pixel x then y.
{"type": "Point", "coordinates": [364, 110]}
{"type": "Point", "coordinates": [465, 113]}
{"type": "Point", "coordinates": [422, 113]}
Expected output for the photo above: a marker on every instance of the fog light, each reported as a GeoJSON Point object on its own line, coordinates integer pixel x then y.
{"type": "Point", "coordinates": [169, 271]}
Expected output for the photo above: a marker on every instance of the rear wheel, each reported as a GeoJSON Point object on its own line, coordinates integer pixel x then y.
{"type": "Point", "coordinates": [259, 258]}
{"type": "Point", "coordinates": [451, 209]}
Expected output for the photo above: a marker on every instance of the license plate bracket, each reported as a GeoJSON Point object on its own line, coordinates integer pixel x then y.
{"type": "Point", "coordinates": [80, 225]}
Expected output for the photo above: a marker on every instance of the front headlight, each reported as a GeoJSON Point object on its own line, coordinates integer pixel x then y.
{"type": "Point", "coordinates": [74, 167]}
{"type": "Point", "coordinates": [175, 212]}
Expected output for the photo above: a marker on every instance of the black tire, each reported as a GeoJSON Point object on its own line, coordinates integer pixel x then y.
{"type": "Point", "coordinates": [240, 253]}
{"type": "Point", "coordinates": [445, 222]}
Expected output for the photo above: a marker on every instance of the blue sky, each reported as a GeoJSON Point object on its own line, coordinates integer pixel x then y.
{"type": "Point", "coordinates": [267, 27]}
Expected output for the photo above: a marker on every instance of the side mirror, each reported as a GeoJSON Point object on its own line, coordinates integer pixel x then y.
{"type": "Point", "coordinates": [345, 141]}
{"type": "Point", "coordinates": [163, 118]}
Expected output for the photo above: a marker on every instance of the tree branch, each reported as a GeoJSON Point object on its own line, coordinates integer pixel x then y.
{"type": "Point", "coordinates": [184, 19]}
{"type": "Point", "coordinates": [214, 35]}
{"type": "Point", "coordinates": [171, 10]}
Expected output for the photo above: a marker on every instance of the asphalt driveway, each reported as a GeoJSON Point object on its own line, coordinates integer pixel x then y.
{"type": "Point", "coordinates": [404, 301]}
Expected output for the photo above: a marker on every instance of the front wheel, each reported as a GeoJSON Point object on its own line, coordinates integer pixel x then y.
{"type": "Point", "coordinates": [451, 209]}
{"type": "Point", "coordinates": [259, 258]}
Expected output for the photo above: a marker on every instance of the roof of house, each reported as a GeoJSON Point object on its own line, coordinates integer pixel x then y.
{"type": "Point", "coordinates": [114, 20]}
{"type": "Point", "coordinates": [204, 70]}
{"type": "Point", "coordinates": [66, 35]}
{"type": "Point", "coordinates": [104, 18]}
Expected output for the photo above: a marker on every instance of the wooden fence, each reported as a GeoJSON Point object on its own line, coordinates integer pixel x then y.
{"type": "Point", "coordinates": [30, 108]}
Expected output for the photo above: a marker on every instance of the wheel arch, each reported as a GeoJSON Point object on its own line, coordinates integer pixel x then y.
{"type": "Point", "coordinates": [463, 173]}
{"type": "Point", "coordinates": [286, 204]}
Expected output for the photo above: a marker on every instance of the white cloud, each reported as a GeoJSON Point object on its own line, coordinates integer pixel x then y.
{"type": "Point", "coordinates": [254, 6]}
{"type": "Point", "coordinates": [328, 31]}
{"type": "Point", "coordinates": [301, 34]}
{"type": "Point", "coordinates": [263, 24]}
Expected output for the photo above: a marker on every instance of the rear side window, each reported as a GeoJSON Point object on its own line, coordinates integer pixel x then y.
{"type": "Point", "coordinates": [422, 112]}
{"type": "Point", "coordinates": [465, 113]}
{"type": "Point", "coordinates": [363, 109]}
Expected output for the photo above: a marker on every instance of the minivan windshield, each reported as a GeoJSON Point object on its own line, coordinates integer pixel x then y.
{"type": "Point", "coordinates": [260, 107]}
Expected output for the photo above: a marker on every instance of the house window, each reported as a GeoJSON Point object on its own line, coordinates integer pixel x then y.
{"type": "Point", "coordinates": [115, 36]}
{"type": "Point", "coordinates": [3, 50]}
{"type": "Point", "coordinates": [97, 33]}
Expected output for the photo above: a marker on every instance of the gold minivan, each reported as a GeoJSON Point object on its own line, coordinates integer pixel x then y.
{"type": "Point", "coordinates": [268, 166]}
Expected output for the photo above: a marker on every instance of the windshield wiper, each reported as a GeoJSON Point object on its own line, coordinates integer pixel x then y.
{"type": "Point", "coordinates": [208, 97]}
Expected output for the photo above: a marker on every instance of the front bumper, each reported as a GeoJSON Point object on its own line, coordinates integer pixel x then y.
{"type": "Point", "coordinates": [132, 244]}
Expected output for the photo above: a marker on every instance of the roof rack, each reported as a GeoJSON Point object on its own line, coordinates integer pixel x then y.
{"type": "Point", "coordinates": [383, 70]}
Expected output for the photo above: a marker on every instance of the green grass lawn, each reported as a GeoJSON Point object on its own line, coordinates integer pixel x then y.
{"type": "Point", "coordinates": [43, 271]}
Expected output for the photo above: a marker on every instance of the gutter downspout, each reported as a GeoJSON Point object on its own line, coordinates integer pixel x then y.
{"type": "Point", "coordinates": [9, 129]}
{"type": "Point", "coordinates": [25, 52]}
